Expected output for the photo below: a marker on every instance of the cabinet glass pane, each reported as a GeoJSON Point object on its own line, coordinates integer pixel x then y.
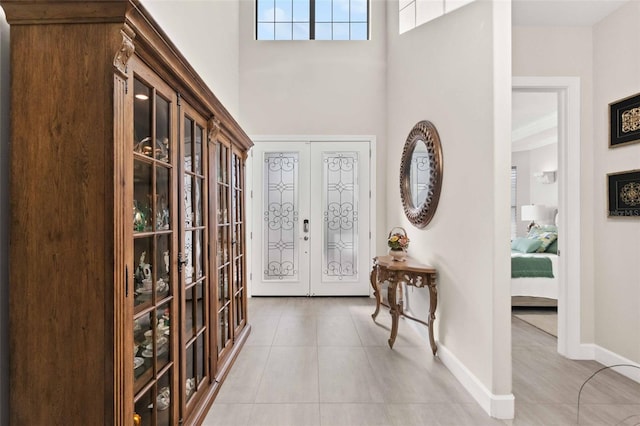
{"type": "Point", "coordinates": [198, 149]}
{"type": "Point", "coordinates": [199, 306]}
{"type": "Point", "coordinates": [162, 130]}
{"type": "Point", "coordinates": [225, 325]}
{"type": "Point", "coordinates": [237, 275]}
{"type": "Point", "coordinates": [189, 312]}
{"type": "Point", "coordinates": [163, 400]}
{"type": "Point", "coordinates": [223, 335]}
{"type": "Point", "coordinates": [162, 199]}
{"type": "Point", "coordinates": [222, 205]}
{"type": "Point", "coordinates": [188, 155]}
{"type": "Point", "coordinates": [199, 254]}
{"type": "Point", "coordinates": [190, 372]}
{"type": "Point", "coordinates": [223, 232]}
{"type": "Point", "coordinates": [142, 119]}
{"type": "Point", "coordinates": [200, 357]}
{"type": "Point", "coordinates": [223, 284]}
{"type": "Point", "coordinates": [188, 256]}
{"type": "Point", "coordinates": [188, 207]}
{"type": "Point", "coordinates": [163, 262]}
{"type": "Point", "coordinates": [144, 408]}
{"type": "Point", "coordinates": [143, 360]}
{"type": "Point", "coordinates": [238, 308]}
{"type": "Point", "coordinates": [143, 275]}
{"type": "Point", "coordinates": [235, 239]}
{"type": "Point", "coordinates": [197, 196]}
{"type": "Point", "coordinates": [142, 190]}
{"type": "Point", "coordinates": [162, 345]}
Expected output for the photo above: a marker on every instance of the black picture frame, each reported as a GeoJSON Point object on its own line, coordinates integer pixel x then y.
{"type": "Point", "coordinates": [624, 121]}
{"type": "Point", "coordinates": [624, 194]}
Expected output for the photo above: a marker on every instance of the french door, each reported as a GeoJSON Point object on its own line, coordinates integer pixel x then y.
{"type": "Point", "coordinates": [310, 213]}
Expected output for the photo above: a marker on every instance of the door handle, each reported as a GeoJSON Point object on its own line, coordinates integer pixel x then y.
{"type": "Point", "coordinates": [305, 225]}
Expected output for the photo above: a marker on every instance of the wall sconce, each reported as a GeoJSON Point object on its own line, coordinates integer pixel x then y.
{"type": "Point", "coordinates": [532, 212]}
{"type": "Point", "coordinates": [545, 177]}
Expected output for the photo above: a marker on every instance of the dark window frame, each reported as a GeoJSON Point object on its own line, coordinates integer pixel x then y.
{"type": "Point", "coordinates": [312, 22]}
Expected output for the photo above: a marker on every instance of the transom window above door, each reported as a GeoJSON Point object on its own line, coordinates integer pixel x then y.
{"type": "Point", "coordinates": [312, 19]}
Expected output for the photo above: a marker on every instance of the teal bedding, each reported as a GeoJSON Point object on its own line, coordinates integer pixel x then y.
{"type": "Point", "coordinates": [531, 267]}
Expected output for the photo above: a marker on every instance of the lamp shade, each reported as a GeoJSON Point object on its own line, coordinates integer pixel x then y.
{"type": "Point", "coordinates": [531, 212]}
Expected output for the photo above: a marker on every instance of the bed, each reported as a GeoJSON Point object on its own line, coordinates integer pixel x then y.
{"type": "Point", "coordinates": [534, 268]}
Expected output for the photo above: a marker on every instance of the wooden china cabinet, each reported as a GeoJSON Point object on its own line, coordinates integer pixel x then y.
{"type": "Point", "coordinates": [127, 251]}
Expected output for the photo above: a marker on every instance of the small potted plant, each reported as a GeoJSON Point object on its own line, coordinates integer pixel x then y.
{"type": "Point", "coordinates": [398, 242]}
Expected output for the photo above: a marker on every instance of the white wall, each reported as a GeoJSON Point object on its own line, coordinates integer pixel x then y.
{"type": "Point", "coordinates": [206, 33]}
{"type": "Point", "coordinates": [616, 71]}
{"type": "Point", "coordinates": [4, 220]}
{"type": "Point", "coordinates": [529, 190]}
{"type": "Point", "coordinates": [317, 88]}
{"type": "Point", "coordinates": [544, 159]}
{"type": "Point", "coordinates": [568, 51]}
{"type": "Point", "coordinates": [455, 72]}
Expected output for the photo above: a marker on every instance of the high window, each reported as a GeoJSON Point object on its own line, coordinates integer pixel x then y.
{"type": "Point", "coordinates": [312, 19]}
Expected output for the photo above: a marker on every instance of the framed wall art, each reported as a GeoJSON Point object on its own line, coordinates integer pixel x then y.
{"type": "Point", "coordinates": [624, 194]}
{"type": "Point", "coordinates": [624, 121]}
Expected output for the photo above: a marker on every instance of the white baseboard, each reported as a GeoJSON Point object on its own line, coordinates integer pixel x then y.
{"type": "Point", "coordinates": [498, 406]}
{"type": "Point", "coordinates": [608, 358]}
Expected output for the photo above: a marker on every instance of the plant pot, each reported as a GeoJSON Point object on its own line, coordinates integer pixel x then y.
{"type": "Point", "coordinates": [398, 255]}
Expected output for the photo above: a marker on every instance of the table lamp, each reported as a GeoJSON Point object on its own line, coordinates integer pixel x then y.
{"type": "Point", "coordinates": [531, 212]}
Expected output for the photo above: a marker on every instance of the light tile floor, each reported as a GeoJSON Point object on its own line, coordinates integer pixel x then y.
{"type": "Point", "coordinates": [323, 361]}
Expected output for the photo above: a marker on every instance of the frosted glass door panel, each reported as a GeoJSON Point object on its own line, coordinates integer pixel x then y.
{"type": "Point", "coordinates": [280, 213]}
{"type": "Point", "coordinates": [280, 200]}
{"type": "Point", "coordinates": [340, 211]}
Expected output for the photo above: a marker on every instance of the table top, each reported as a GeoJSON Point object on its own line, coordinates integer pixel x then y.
{"type": "Point", "coordinates": [409, 264]}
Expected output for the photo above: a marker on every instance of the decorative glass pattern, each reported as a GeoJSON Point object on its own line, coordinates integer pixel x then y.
{"type": "Point", "coordinates": [280, 212]}
{"type": "Point", "coordinates": [340, 205]}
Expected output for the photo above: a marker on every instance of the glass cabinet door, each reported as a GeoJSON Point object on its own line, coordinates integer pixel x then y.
{"type": "Point", "coordinates": [237, 241]}
{"type": "Point", "coordinates": [153, 248]}
{"type": "Point", "coordinates": [224, 255]}
{"type": "Point", "coordinates": [194, 268]}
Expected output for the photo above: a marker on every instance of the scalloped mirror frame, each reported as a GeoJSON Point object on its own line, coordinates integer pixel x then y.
{"type": "Point", "coordinates": [424, 131]}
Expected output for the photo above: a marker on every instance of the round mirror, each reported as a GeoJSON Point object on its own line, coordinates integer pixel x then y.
{"type": "Point", "coordinates": [421, 173]}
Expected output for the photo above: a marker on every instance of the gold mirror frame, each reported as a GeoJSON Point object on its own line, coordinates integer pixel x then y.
{"type": "Point", "coordinates": [426, 132]}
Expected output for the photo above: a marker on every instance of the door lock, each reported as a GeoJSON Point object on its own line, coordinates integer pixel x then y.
{"type": "Point", "coordinates": [305, 225]}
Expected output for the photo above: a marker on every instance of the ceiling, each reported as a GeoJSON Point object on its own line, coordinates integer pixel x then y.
{"type": "Point", "coordinates": [562, 12]}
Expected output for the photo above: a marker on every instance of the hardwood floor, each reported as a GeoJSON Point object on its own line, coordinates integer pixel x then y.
{"type": "Point", "coordinates": [546, 385]}
{"type": "Point", "coordinates": [323, 361]}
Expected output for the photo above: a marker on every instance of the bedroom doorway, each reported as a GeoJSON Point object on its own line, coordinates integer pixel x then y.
{"type": "Point", "coordinates": [534, 207]}
{"type": "Point", "coordinates": [566, 91]}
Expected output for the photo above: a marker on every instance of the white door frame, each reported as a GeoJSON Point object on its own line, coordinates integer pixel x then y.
{"type": "Point", "coordinates": [569, 302]}
{"type": "Point", "coordinates": [252, 167]}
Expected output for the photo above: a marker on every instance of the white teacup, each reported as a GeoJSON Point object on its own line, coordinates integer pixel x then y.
{"type": "Point", "coordinates": [147, 284]}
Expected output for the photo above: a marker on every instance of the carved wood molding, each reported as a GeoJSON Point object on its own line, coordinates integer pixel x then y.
{"type": "Point", "coordinates": [214, 129]}
{"type": "Point", "coordinates": [126, 50]}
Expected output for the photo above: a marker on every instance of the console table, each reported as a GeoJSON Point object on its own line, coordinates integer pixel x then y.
{"type": "Point", "coordinates": [412, 273]}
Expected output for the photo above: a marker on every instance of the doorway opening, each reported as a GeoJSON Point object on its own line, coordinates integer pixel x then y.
{"type": "Point", "coordinates": [567, 92]}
